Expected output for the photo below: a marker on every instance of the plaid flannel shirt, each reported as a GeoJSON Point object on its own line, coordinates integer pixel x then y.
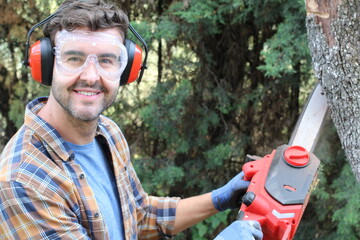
{"type": "Point", "coordinates": [45, 195]}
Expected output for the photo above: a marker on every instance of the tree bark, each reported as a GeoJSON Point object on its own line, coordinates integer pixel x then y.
{"type": "Point", "coordinates": [333, 28]}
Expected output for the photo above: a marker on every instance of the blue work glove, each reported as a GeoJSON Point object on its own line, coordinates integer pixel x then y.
{"type": "Point", "coordinates": [230, 195]}
{"type": "Point", "coordinates": [241, 230]}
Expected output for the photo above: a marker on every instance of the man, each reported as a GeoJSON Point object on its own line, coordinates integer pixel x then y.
{"type": "Point", "coordinates": [66, 174]}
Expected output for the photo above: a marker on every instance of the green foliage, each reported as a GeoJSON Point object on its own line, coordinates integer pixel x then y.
{"type": "Point", "coordinates": [161, 175]}
{"type": "Point", "coordinates": [334, 209]}
{"type": "Point", "coordinates": [197, 12]}
{"type": "Point", "coordinates": [167, 30]}
{"type": "Point", "coordinates": [163, 115]}
{"type": "Point", "coordinates": [285, 48]}
{"type": "Point", "coordinates": [202, 229]}
{"type": "Point", "coordinates": [16, 89]}
{"type": "Point", "coordinates": [226, 78]}
{"type": "Point", "coordinates": [347, 210]}
{"type": "Point", "coordinates": [216, 156]}
{"type": "Point", "coordinates": [289, 44]}
{"type": "Point", "coordinates": [16, 112]}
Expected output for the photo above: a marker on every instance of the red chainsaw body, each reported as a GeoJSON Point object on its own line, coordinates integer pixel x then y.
{"type": "Point", "coordinates": [279, 189]}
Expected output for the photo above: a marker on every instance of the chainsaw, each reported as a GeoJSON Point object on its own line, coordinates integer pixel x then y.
{"type": "Point", "coordinates": [281, 182]}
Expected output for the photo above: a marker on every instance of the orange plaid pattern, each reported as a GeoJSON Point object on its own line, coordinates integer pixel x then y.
{"type": "Point", "coordinates": [45, 195]}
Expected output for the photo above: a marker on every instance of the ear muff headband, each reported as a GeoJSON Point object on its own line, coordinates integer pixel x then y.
{"type": "Point", "coordinates": [41, 59]}
{"type": "Point", "coordinates": [138, 56]}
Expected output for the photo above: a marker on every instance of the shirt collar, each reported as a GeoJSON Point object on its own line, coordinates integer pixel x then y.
{"type": "Point", "coordinates": [50, 137]}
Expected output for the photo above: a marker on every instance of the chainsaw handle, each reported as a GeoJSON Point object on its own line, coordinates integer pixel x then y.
{"type": "Point", "coordinates": [249, 171]}
{"type": "Point", "coordinates": [251, 168]}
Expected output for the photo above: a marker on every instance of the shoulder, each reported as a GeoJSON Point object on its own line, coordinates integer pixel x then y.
{"type": "Point", "coordinates": [14, 152]}
{"type": "Point", "coordinates": [26, 160]}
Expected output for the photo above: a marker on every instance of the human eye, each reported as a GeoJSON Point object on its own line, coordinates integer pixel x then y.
{"type": "Point", "coordinates": [108, 61]}
{"type": "Point", "coordinates": [73, 58]}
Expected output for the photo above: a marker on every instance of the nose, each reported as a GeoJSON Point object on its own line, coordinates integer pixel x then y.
{"type": "Point", "coordinates": [90, 73]}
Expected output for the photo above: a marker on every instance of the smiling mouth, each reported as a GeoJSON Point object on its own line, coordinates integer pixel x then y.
{"type": "Point", "coordinates": [87, 93]}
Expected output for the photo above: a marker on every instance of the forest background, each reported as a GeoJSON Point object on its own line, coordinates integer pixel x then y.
{"type": "Point", "coordinates": [225, 78]}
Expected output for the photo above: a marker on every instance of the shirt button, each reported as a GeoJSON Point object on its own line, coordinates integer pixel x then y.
{"type": "Point", "coordinates": [96, 215]}
{"type": "Point", "coordinates": [82, 176]}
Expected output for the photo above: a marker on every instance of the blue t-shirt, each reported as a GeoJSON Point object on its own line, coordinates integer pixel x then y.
{"type": "Point", "coordinates": [92, 159]}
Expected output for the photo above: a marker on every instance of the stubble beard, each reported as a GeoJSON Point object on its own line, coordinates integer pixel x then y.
{"type": "Point", "coordinates": [76, 114]}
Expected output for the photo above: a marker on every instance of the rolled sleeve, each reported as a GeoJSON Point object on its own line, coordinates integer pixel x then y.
{"type": "Point", "coordinates": [159, 218]}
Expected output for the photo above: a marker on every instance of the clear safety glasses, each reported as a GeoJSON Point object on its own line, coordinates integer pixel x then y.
{"type": "Point", "coordinates": [75, 50]}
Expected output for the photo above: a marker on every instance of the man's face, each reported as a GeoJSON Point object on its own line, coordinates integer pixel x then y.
{"type": "Point", "coordinates": [86, 77]}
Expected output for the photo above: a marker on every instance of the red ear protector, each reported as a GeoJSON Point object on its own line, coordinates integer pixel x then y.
{"type": "Point", "coordinates": [40, 58]}
{"type": "Point", "coordinates": [134, 68]}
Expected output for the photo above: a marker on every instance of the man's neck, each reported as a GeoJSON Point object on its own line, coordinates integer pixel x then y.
{"type": "Point", "coordinates": [71, 129]}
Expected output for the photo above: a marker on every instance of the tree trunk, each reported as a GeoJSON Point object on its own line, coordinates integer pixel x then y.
{"type": "Point", "coordinates": [333, 32]}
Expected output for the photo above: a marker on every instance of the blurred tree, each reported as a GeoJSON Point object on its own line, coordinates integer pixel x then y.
{"type": "Point", "coordinates": [17, 18]}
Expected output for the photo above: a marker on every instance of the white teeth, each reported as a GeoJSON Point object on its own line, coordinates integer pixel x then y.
{"type": "Point", "coordinates": [87, 93]}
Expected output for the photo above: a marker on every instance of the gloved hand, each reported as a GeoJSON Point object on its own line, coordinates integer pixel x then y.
{"type": "Point", "coordinates": [241, 230]}
{"type": "Point", "coordinates": [229, 196]}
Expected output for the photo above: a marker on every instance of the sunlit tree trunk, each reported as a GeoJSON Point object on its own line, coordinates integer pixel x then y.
{"type": "Point", "coordinates": [334, 39]}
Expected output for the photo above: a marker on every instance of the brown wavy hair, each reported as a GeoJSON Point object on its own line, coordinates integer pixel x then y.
{"type": "Point", "coordinates": [93, 14]}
